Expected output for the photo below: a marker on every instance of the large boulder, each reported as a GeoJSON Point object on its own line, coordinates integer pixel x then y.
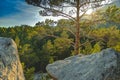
{"type": "Point", "coordinates": [104, 65]}
{"type": "Point", "coordinates": [10, 66]}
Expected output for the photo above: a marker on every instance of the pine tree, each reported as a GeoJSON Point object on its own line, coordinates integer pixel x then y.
{"type": "Point", "coordinates": [60, 7]}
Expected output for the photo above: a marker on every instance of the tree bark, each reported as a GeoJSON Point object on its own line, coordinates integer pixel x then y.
{"type": "Point", "coordinates": [77, 35]}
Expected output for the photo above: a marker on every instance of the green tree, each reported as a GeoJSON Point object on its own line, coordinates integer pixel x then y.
{"type": "Point", "coordinates": [17, 41]}
{"type": "Point", "coordinates": [87, 48]}
{"type": "Point", "coordinates": [61, 47]}
{"type": "Point", "coordinates": [57, 8]}
{"type": "Point", "coordinates": [49, 22]}
{"type": "Point", "coordinates": [64, 35]}
{"type": "Point", "coordinates": [113, 14]}
{"type": "Point", "coordinates": [96, 48]}
{"type": "Point", "coordinates": [48, 47]}
{"type": "Point", "coordinates": [105, 37]}
{"type": "Point", "coordinates": [29, 73]}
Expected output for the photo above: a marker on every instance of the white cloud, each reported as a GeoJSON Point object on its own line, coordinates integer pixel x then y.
{"type": "Point", "coordinates": [28, 15]}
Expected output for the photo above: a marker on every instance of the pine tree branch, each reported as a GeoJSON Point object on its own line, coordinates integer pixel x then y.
{"type": "Point", "coordinates": [70, 31]}
{"type": "Point", "coordinates": [54, 10]}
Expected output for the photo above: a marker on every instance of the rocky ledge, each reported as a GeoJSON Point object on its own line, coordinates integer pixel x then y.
{"type": "Point", "coordinates": [104, 65]}
{"type": "Point", "coordinates": [10, 66]}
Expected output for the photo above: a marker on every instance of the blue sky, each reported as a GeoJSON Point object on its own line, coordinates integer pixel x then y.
{"type": "Point", "coordinates": [17, 12]}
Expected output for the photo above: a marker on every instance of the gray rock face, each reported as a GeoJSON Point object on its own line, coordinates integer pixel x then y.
{"type": "Point", "coordinates": [10, 66]}
{"type": "Point", "coordinates": [101, 66]}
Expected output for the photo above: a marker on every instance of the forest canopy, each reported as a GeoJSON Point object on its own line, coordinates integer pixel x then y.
{"type": "Point", "coordinates": [45, 43]}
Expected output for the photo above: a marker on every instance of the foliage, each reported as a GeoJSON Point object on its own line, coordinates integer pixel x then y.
{"type": "Point", "coordinates": [113, 14]}
{"type": "Point", "coordinates": [29, 74]}
{"type": "Point", "coordinates": [68, 8]}
{"type": "Point", "coordinates": [44, 44]}
{"type": "Point", "coordinates": [96, 48]}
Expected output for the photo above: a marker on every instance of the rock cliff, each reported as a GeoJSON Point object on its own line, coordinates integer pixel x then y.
{"type": "Point", "coordinates": [104, 65]}
{"type": "Point", "coordinates": [10, 66]}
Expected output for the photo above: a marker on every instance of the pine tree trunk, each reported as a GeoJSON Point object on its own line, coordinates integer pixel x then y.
{"type": "Point", "coordinates": [77, 35]}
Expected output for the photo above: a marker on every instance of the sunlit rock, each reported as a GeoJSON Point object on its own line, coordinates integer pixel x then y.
{"type": "Point", "coordinates": [100, 66]}
{"type": "Point", "coordinates": [10, 66]}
